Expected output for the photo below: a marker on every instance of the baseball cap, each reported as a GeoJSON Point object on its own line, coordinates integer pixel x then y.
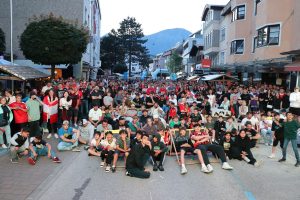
{"type": "Point", "coordinates": [84, 121]}
{"type": "Point", "coordinates": [66, 122]}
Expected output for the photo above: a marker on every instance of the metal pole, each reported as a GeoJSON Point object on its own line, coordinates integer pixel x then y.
{"type": "Point", "coordinates": [11, 33]}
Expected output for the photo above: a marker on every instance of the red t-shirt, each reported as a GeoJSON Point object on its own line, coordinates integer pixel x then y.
{"type": "Point", "coordinates": [19, 115]}
{"type": "Point", "coordinates": [197, 143]}
{"type": "Point", "coordinates": [172, 112]}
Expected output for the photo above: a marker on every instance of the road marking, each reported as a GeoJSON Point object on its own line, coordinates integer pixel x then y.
{"type": "Point", "coordinates": [249, 195]}
{"type": "Point", "coordinates": [150, 196]}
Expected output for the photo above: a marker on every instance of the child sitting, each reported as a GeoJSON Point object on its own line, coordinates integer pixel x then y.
{"type": "Point", "coordinates": [123, 146]}
{"type": "Point", "coordinates": [109, 146]}
{"type": "Point", "coordinates": [227, 144]}
{"type": "Point", "coordinates": [39, 147]}
{"type": "Point", "coordinates": [158, 152]}
{"type": "Point", "coordinates": [95, 145]}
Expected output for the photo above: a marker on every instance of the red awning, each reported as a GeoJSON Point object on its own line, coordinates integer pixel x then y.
{"type": "Point", "coordinates": [292, 67]}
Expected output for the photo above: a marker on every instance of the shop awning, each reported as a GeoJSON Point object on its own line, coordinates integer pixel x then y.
{"type": "Point", "coordinates": [292, 67]}
{"type": "Point", "coordinates": [20, 73]}
{"type": "Point", "coordinates": [217, 77]}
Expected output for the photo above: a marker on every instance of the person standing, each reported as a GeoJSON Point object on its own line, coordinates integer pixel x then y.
{"type": "Point", "coordinates": [6, 117]}
{"type": "Point", "coordinates": [50, 113]}
{"type": "Point", "coordinates": [20, 113]}
{"type": "Point", "coordinates": [34, 115]}
{"type": "Point", "coordinates": [290, 128]}
{"type": "Point", "coordinates": [295, 102]}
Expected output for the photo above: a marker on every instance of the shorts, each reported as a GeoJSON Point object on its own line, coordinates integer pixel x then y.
{"type": "Point", "coordinates": [187, 149]}
{"type": "Point", "coordinates": [74, 112]}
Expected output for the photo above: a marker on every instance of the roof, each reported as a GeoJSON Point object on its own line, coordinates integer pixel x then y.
{"type": "Point", "coordinates": [227, 9]}
{"type": "Point", "coordinates": [192, 78]}
{"type": "Point", "coordinates": [293, 52]}
{"type": "Point", "coordinates": [217, 77]}
{"type": "Point", "coordinates": [208, 7]}
{"type": "Point", "coordinates": [21, 73]}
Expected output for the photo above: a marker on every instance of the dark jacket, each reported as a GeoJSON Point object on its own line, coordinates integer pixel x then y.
{"type": "Point", "coordinates": [243, 144]}
{"type": "Point", "coordinates": [158, 145]}
{"type": "Point", "coordinates": [137, 156]}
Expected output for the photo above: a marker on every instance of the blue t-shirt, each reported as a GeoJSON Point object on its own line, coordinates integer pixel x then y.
{"type": "Point", "coordinates": [66, 133]}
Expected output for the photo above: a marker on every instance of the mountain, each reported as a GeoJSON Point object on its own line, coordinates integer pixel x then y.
{"type": "Point", "coordinates": [165, 40]}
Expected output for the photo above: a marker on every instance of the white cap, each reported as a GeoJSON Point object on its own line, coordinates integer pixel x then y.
{"type": "Point", "coordinates": [155, 116]}
{"type": "Point", "coordinates": [84, 121]}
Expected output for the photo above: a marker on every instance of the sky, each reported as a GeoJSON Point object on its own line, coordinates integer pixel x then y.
{"type": "Point", "coordinates": [155, 15]}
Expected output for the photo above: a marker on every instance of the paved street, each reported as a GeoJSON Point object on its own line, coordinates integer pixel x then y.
{"type": "Point", "coordinates": [80, 177]}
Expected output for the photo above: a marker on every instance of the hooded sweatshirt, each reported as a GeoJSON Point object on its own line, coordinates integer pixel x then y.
{"type": "Point", "coordinates": [158, 145]}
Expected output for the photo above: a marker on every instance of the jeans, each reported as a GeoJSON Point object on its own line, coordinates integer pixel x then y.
{"type": "Point", "coordinates": [67, 146]}
{"type": "Point", "coordinates": [7, 132]}
{"type": "Point", "coordinates": [267, 135]}
{"type": "Point", "coordinates": [160, 158]}
{"type": "Point", "coordinates": [295, 148]}
{"type": "Point", "coordinates": [42, 152]}
{"type": "Point", "coordinates": [108, 154]}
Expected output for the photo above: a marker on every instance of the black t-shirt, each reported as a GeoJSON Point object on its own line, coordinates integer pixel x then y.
{"type": "Point", "coordinates": [278, 129]}
{"type": "Point", "coordinates": [96, 94]}
{"type": "Point", "coordinates": [40, 144]}
{"type": "Point", "coordinates": [196, 118]}
{"type": "Point", "coordinates": [138, 102]}
{"type": "Point", "coordinates": [149, 100]}
{"type": "Point", "coordinates": [250, 133]}
{"type": "Point", "coordinates": [246, 97]}
{"type": "Point", "coordinates": [75, 99]}
{"type": "Point", "coordinates": [121, 127]}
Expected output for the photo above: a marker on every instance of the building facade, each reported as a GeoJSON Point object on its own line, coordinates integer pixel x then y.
{"type": "Point", "coordinates": [252, 36]}
{"type": "Point", "coordinates": [85, 12]}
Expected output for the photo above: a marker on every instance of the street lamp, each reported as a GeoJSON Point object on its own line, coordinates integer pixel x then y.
{"type": "Point", "coordinates": [11, 33]}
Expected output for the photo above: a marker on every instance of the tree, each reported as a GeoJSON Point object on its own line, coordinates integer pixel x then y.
{"type": "Point", "coordinates": [51, 41]}
{"type": "Point", "coordinates": [2, 42]}
{"type": "Point", "coordinates": [131, 35]}
{"type": "Point", "coordinates": [174, 63]}
{"type": "Point", "coordinates": [111, 55]}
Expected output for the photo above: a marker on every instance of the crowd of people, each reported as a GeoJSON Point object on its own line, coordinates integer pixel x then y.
{"type": "Point", "coordinates": [142, 121]}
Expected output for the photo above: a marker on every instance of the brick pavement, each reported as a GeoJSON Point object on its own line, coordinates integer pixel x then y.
{"type": "Point", "coordinates": [17, 181]}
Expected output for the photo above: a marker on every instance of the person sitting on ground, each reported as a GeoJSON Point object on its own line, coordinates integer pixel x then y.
{"type": "Point", "coordinates": [183, 144]}
{"type": "Point", "coordinates": [95, 115]}
{"type": "Point", "coordinates": [149, 128]}
{"type": "Point", "coordinates": [227, 144]}
{"type": "Point", "coordinates": [196, 117]}
{"type": "Point", "coordinates": [122, 125]}
{"type": "Point", "coordinates": [95, 145]}
{"type": "Point", "coordinates": [252, 134]}
{"type": "Point", "coordinates": [277, 129]}
{"type": "Point", "coordinates": [265, 130]}
{"type": "Point", "coordinates": [19, 144]}
{"type": "Point", "coordinates": [201, 141]}
{"type": "Point", "coordinates": [158, 152]}
{"type": "Point", "coordinates": [108, 145]}
{"type": "Point", "coordinates": [68, 138]}
{"type": "Point", "coordinates": [220, 128]}
{"type": "Point", "coordinates": [137, 159]}
{"type": "Point", "coordinates": [39, 147]}
{"type": "Point", "coordinates": [123, 147]}
{"type": "Point", "coordinates": [242, 149]}
{"type": "Point", "coordinates": [225, 104]}
{"type": "Point", "coordinates": [86, 131]}
{"type": "Point", "coordinates": [174, 123]}
{"type": "Point", "coordinates": [104, 126]}
{"type": "Point", "coordinates": [230, 125]}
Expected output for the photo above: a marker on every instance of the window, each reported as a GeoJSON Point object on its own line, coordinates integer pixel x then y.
{"type": "Point", "coordinates": [268, 35]}
{"type": "Point", "coordinates": [237, 47]}
{"type": "Point", "coordinates": [222, 35]}
{"type": "Point", "coordinates": [238, 13]}
{"type": "Point", "coordinates": [254, 44]}
{"type": "Point", "coordinates": [222, 58]}
{"type": "Point", "coordinates": [256, 5]}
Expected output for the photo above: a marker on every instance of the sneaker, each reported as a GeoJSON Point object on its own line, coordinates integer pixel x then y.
{"type": "Point", "coordinates": [4, 146]}
{"type": "Point", "coordinates": [297, 164]}
{"type": "Point", "coordinates": [102, 164]}
{"type": "Point", "coordinates": [258, 163]}
{"type": "Point", "coordinates": [14, 160]}
{"type": "Point", "coordinates": [155, 168]}
{"type": "Point", "coordinates": [271, 156]}
{"type": "Point", "coordinates": [282, 160]}
{"type": "Point", "coordinates": [31, 161]}
{"type": "Point", "coordinates": [205, 169]}
{"type": "Point", "coordinates": [76, 149]}
{"type": "Point", "coordinates": [210, 168]}
{"type": "Point", "coordinates": [246, 159]}
{"type": "Point", "coordinates": [127, 173]}
{"type": "Point", "coordinates": [161, 168]}
{"type": "Point", "coordinates": [107, 169]}
{"type": "Point", "coordinates": [56, 136]}
{"type": "Point", "coordinates": [86, 147]}
{"type": "Point", "coordinates": [49, 136]}
{"type": "Point", "coordinates": [226, 166]}
{"type": "Point", "coordinates": [113, 169]}
{"type": "Point", "coordinates": [183, 170]}
{"type": "Point", "coordinates": [56, 160]}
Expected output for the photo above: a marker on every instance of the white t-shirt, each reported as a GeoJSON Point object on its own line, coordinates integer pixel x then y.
{"type": "Point", "coordinates": [95, 114]}
{"type": "Point", "coordinates": [45, 88]}
{"type": "Point", "coordinates": [253, 121]}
